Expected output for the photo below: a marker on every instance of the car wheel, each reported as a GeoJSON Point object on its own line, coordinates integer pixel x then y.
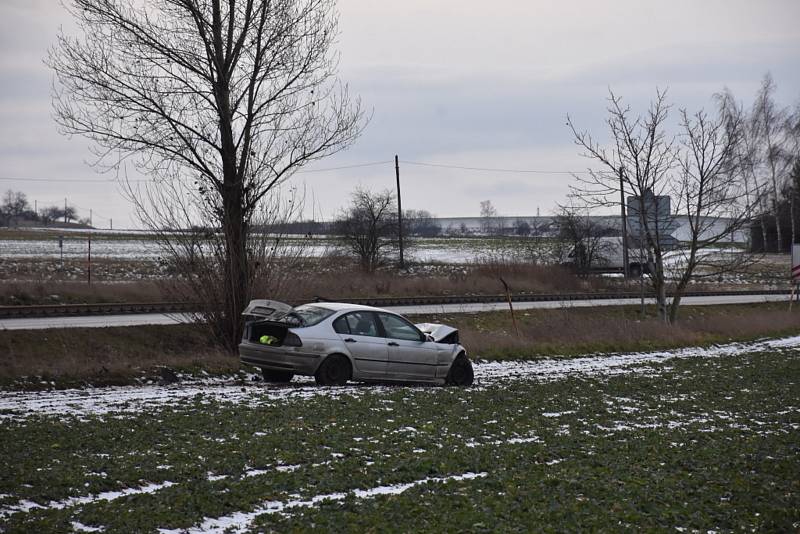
{"type": "Point", "coordinates": [278, 377]}
{"type": "Point", "coordinates": [460, 372]}
{"type": "Point", "coordinates": [334, 371]}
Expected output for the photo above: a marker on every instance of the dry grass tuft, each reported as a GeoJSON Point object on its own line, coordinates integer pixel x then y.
{"type": "Point", "coordinates": [105, 356]}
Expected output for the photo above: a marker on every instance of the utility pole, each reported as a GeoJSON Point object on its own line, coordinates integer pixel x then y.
{"type": "Point", "coordinates": [89, 268]}
{"type": "Point", "coordinates": [111, 224]}
{"type": "Point", "coordinates": [36, 207]}
{"type": "Point", "coordinates": [65, 211]}
{"type": "Point", "coordinates": [90, 217]}
{"type": "Point", "coordinates": [399, 210]}
{"type": "Point", "coordinates": [625, 269]}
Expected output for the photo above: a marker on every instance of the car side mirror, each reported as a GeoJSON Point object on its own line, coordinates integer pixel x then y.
{"type": "Point", "coordinates": [429, 337]}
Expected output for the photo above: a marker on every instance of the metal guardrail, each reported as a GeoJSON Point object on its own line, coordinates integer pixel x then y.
{"type": "Point", "coordinates": [61, 310]}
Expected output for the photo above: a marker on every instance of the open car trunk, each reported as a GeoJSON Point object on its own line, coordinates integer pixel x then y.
{"type": "Point", "coordinates": [266, 333]}
{"type": "Point", "coordinates": [267, 322]}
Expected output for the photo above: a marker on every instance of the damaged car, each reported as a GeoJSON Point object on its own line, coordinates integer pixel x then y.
{"type": "Point", "coordinates": [338, 342]}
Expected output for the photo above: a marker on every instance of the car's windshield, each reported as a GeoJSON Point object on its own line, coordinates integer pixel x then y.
{"type": "Point", "coordinates": [310, 315]}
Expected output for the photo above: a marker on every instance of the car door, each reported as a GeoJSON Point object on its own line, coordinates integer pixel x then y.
{"type": "Point", "coordinates": [361, 335]}
{"type": "Point", "coordinates": [411, 356]}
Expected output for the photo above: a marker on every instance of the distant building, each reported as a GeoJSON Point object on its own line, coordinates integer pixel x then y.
{"type": "Point", "coordinates": [652, 214]}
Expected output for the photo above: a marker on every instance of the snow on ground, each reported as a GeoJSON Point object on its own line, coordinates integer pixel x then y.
{"type": "Point", "coordinates": [240, 521]}
{"type": "Point", "coordinates": [25, 506]}
{"type": "Point", "coordinates": [134, 399]}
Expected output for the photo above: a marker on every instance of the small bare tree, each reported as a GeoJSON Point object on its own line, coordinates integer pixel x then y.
{"type": "Point", "coordinates": [488, 216]}
{"type": "Point", "coordinates": [697, 170]}
{"type": "Point", "coordinates": [195, 254]}
{"type": "Point", "coordinates": [51, 214]}
{"type": "Point", "coordinates": [223, 101]}
{"type": "Point", "coordinates": [369, 227]}
{"type": "Point", "coordinates": [582, 240]}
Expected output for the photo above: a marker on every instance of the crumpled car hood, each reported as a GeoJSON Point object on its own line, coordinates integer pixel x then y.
{"type": "Point", "coordinates": [437, 331]}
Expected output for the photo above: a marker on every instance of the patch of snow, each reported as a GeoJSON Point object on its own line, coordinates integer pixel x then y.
{"type": "Point", "coordinates": [557, 414]}
{"type": "Point", "coordinates": [135, 399]}
{"type": "Point", "coordinates": [240, 521]}
{"type": "Point", "coordinates": [80, 527]}
{"type": "Point", "coordinates": [26, 506]}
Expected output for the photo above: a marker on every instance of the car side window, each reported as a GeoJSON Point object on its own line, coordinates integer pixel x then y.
{"type": "Point", "coordinates": [398, 328]}
{"type": "Point", "coordinates": [362, 324]}
{"type": "Point", "coordinates": [340, 325]}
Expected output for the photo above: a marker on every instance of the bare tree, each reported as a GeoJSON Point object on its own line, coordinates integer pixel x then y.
{"type": "Point", "coordinates": [51, 214]}
{"type": "Point", "coordinates": [582, 240]}
{"type": "Point", "coordinates": [765, 152]}
{"type": "Point", "coordinates": [15, 204]}
{"type": "Point", "coordinates": [747, 158]}
{"type": "Point", "coordinates": [697, 170]}
{"type": "Point", "coordinates": [488, 214]}
{"type": "Point", "coordinates": [711, 190]}
{"type": "Point", "coordinates": [194, 254]}
{"type": "Point", "coordinates": [369, 227]}
{"type": "Point", "coordinates": [522, 228]}
{"type": "Point", "coordinates": [641, 158]}
{"type": "Point", "coordinates": [772, 135]}
{"type": "Point", "coordinates": [420, 223]}
{"type": "Point", "coordinates": [222, 101]}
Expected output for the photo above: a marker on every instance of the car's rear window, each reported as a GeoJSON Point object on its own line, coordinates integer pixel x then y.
{"type": "Point", "coordinates": [310, 315]}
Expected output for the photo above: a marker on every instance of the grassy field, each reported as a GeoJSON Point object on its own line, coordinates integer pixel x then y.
{"type": "Point", "coordinates": [705, 441]}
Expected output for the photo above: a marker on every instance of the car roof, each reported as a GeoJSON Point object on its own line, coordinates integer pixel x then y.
{"type": "Point", "coordinates": [346, 306]}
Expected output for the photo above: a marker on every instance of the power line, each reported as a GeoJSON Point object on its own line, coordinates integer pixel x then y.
{"type": "Point", "coordinates": [488, 169]}
{"type": "Point", "coordinates": [96, 181]}
{"type": "Point", "coordinates": [372, 164]}
{"type": "Point", "coordinates": [64, 180]}
{"type": "Point", "coordinates": [327, 169]}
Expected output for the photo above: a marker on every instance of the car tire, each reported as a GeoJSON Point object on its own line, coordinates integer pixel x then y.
{"type": "Point", "coordinates": [334, 371]}
{"type": "Point", "coordinates": [277, 377]}
{"type": "Point", "coordinates": [460, 373]}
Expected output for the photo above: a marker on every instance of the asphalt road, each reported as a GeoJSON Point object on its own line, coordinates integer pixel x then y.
{"type": "Point", "coordinates": [99, 321]}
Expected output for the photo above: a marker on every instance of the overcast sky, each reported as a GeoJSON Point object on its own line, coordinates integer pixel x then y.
{"type": "Point", "coordinates": [459, 82]}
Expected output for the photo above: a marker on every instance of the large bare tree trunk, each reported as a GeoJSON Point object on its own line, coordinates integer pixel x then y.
{"type": "Point", "coordinates": [791, 216]}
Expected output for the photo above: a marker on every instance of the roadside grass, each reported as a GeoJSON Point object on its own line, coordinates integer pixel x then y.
{"type": "Point", "coordinates": [26, 293]}
{"type": "Point", "coordinates": [545, 333]}
{"type": "Point", "coordinates": [35, 281]}
{"type": "Point", "coordinates": [74, 357]}
{"type": "Point", "coordinates": [476, 278]}
{"type": "Point", "coordinates": [697, 444]}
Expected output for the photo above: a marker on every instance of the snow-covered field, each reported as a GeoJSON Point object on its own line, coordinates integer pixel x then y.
{"type": "Point", "coordinates": [134, 399]}
{"type": "Point", "coordinates": [141, 249]}
{"type": "Point", "coordinates": [529, 440]}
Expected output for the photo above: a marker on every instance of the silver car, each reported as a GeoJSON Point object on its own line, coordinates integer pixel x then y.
{"type": "Point", "coordinates": [336, 342]}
